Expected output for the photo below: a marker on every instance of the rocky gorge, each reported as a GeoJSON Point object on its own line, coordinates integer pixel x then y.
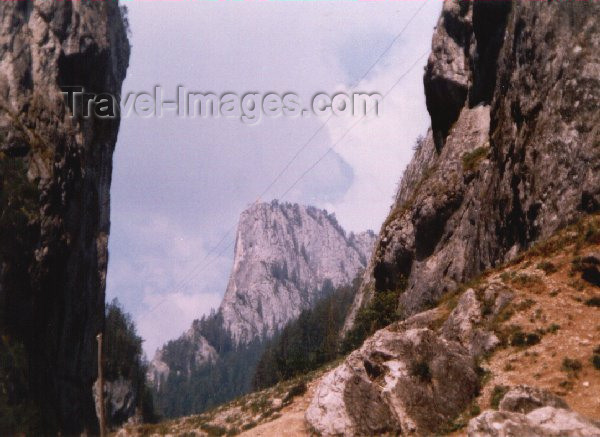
{"type": "Point", "coordinates": [487, 267]}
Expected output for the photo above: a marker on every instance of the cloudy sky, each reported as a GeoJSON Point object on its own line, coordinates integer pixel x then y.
{"type": "Point", "coordinates": [179, 184]}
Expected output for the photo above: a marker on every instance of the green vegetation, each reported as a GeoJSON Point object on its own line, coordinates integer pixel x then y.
{"type": "Point", "coordinates": [421, 370]}
{"type": "Point", "coordinates": [193, 388]}
{"type": "Point", "coordinates": [553, 328]}
{"type": "Point", "coordinates": [303, 345]}
{"type": "Point", "coordinates": [526, 280]}
{"type": "Point", "coordinates": [17, 413]}
{"type": "Point", "coordinates": [596, 358]}
{"type": "Point", "coordinates": [547, 267]}
{"type": "Point", "coordinates": [297, 390]}
{"type": "Point", "coordinates": [497, 394]}
{"type": "Point", "coordinates": [308, 342]}
{"type": "Point", "coordinates": [124, 358]}
{"type": "Point", "coordinates": [571, 366]}
{"type": "Point", "coordinates": [19, 234]}
{"type": "Point", "coordinates": [213, 430]}
{"type": "Point", "coordinates": [586, 231]}
{"type": "Point", "coordinates": [19, 210]}
{"type": "Point", "coordinates": [471, 160]}
{"type": "Point", "coordinates": [596, 361]}
{"type": "Point", "coordinates": [381, 311]}
{"type": "Point", "coordinates": [523, 339]}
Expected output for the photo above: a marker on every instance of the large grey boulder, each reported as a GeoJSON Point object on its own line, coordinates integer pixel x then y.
{"type": "Point", "coordinates": [542, 422]}
{"type": "Point", "coordinates": [120, 400]}
{"type": "Point", "coordinates": [411, 376]}
{"type": "Point", "coordinates": [531, 411]}
{"type": "Point", "coordinates": [408, 381]}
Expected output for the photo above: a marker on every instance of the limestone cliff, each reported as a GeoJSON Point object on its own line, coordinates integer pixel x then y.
{"type": "Point", "coordinates": [284, 256]}
{"type": "Point", "coordinates": [56, 174]}
{"type": "Point", "coordinates": [513, 91]}
{"type": "Point", "coordinates": [513, 154]}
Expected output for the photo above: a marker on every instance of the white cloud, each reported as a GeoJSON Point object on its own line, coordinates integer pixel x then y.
{"type": "Point", "coordinates": [162, 275]}
{"type": "Point", "coordinates": [379, 148]}
{"type": "Point", "coordinates": [172, 315]}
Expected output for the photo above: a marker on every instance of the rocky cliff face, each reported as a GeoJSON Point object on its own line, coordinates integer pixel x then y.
{"type": "Point", "coordinates": [285, 255]}
{"type": "Point", "coordinates": [52, 281]}
{"type": "Point", "coordinates": [518, 341]}
{"type": "Point", "coordinates": [513, 154]}
{"type": "Point", "coordinates": [514, 149]}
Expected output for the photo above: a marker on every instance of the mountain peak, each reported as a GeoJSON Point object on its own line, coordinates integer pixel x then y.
{"type": "Point", "coordinates": [286, 257]}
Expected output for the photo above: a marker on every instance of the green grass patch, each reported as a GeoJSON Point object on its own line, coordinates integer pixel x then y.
{"type": "Point", "coordinates": [497, 394]}
{"type": "Point", "coordinates": [547, 267]}
{"type": "Point", "coordinates": [571, 366]}
{"type": "Point", "coordinates": [471, 160]}
{"type": "Point", "coordinates": [596, 361]}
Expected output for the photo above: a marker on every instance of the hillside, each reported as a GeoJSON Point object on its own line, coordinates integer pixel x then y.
{"type": "Point", "coordinates": [531, 322]}
{"type": "Point", "coordinates": [512, 156]}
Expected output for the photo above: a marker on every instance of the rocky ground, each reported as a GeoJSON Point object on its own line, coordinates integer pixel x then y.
{"type": "Point", "coordinates": [276, 411]}
{"type": "Point", "coordinates": [515, 350]}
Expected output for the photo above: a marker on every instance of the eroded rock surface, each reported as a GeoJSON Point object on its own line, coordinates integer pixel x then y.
{"type": "Point", "coordinates": [524, 399]}
{"type": "Point", "coordinates": [541, 422]}
{"type": "Point", "coordinates": [120, 400]}
{"type": "Point", "coordinates": [512, 155]}
{"type": "Point", "coordinates": [52, 280]}
{"type": "Point", "coordinates": [413, 376]}
{"type": "Point", "coordinates": [196, 351]}
{"type": "Point", "coordinates": [467, 322]}
{"type": "Point", "coordinates": [406, 382]}
{"type": "Point", "coordinates": [284, 257]}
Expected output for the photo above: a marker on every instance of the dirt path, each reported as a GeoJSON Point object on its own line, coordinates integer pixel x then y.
{"type": "Point", "coordinates": [291, 423]}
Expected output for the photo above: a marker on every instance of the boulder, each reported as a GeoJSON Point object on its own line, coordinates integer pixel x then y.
{"type": "Point", "coordinates": [524, 399]}
{"type": "Point", "coordinates": [408, 381]}
{"type": "Point", "coordinates": [120, 400]}
{"type": "Point", "coordinates": [467, 322]}
{"type": "Point", "coordinates": [542, 422]}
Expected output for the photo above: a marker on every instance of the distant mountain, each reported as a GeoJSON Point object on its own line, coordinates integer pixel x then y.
{"type": "Point", "coordinates": [195, 351]}
{"type": "Point", "coordinates": [285, 255]}
{"type": "Point", "coordinates": [287, 258]}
